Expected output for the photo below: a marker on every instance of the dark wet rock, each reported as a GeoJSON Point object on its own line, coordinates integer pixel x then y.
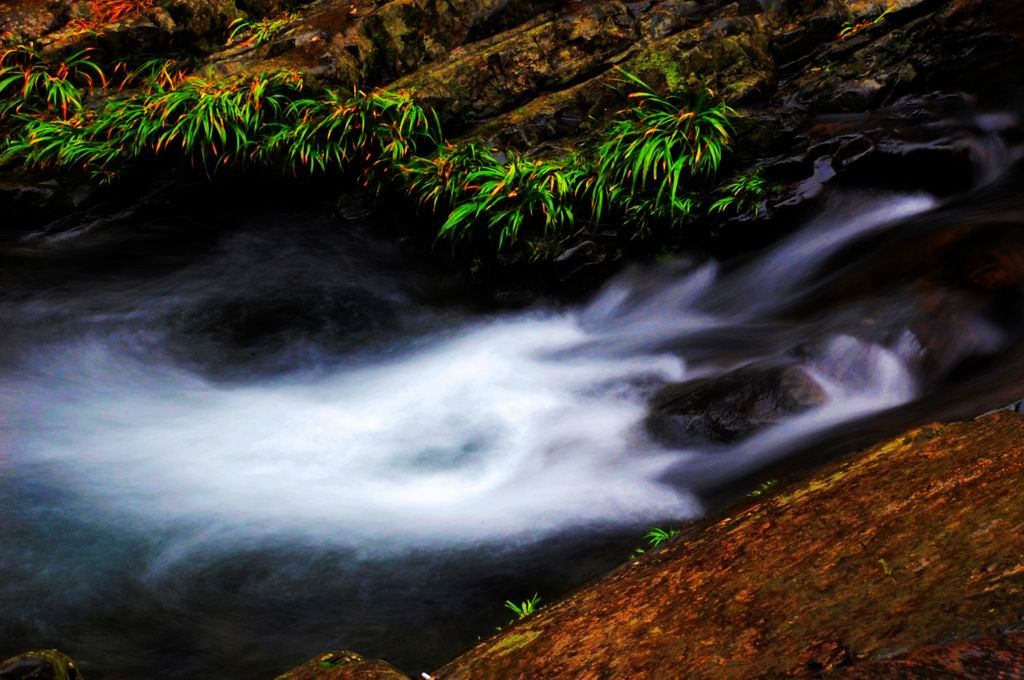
{"type": "Point", "coordinates": [731, 406]}
{"type": "Point", "coordinates": [24, 204]}
{"type": "Point", "coordinates": [797, 42]}
{"type": "Point", "coordinates": [256, 320]}
{"type": "Point", "coordinates": [667, 18]}
{"type": "Point", "coordinates": [343, 666]}
{"type": "Point", "coordinates": [46, 664]}
{"type": "Point", "coordinates": [860, 95]}
{"type": "Point", "coordinates": [810, 187]}
{"type": "Point", "coordinates": [203, 19]}
{"type": "Point", "coordinates": [266, 8]}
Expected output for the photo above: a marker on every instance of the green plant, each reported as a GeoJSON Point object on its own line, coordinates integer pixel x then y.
{"type": "Point", "coordinates": [28, 83]}
{"type": "Point", "coordinates": [655, 537]}
{"type": "Point", "coordinates": [317, 134]}
{"type": "Point", "coordinates": [398, 127]}
{"type": "Point", "coordinates": [641, 211]}
{"type": "Point", "coordinates": [155, 74]}
{"type": "Point", "coordinates": [851, 28]}
{"type": "Point", "coordinates": [763, 488]}
{"type": "Point", "coordinates": [441, 180]}
{"type": "Point", "coordinates": [650, 165]}
{"type": "Point", "coordinates": [105, 11]}
{"type": "Point", "coordinates": [244, 33]}
{"type": "Point", "coordinates": [56, 143]}
{"type": "Point", "coordinates": [524, 608]}
{"type": "Point", "coordinates": [209, 122]}
{"type": "Point", "coordinates": [743, 194]}
{"type": "Point", "coordinates": [506, 195]}
{"type": "Point", "coordinates": [377, 131]}
{"type": "Point", "coordinates": [656, 151]}
{"type": "Point", "coordinates": [218, 123]}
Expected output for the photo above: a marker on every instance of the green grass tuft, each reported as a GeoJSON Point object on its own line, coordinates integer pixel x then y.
{"type": "Point", "coordinates": [648, 167]}
{"type": "Point", "coordinates": [31, 85]}
{"type": "Point", "coordinates": [744, 194]}
{"type": "Point", "coordinates": [655, 537]}
{"type": "Point", "coordinates": [658, 152]}
{"type": "Point", "coordinates": [244, 33]}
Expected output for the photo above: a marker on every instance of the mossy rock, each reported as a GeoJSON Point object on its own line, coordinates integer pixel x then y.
{"type": "Point", "coordinates": [45, 664]}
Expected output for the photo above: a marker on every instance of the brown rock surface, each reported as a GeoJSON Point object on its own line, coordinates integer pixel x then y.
{"type": "Point", "coordinates": [995, 658]}
{"type": "Point", "coordinates": [914, 542]}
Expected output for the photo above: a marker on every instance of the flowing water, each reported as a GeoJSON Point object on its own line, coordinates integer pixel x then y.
{"type": "Point", "coordinates": [221, 455]}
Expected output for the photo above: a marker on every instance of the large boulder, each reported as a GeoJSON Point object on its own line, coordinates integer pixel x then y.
{"type": "Point", "coordinates": [731, 406]}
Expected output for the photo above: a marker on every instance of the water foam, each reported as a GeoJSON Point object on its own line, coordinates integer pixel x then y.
{"type": "Point", "coordinates": [477, 436]}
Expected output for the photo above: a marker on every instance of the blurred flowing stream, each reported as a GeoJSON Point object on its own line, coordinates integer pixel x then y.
{"type": "Point", "coordinates": [219, 456]}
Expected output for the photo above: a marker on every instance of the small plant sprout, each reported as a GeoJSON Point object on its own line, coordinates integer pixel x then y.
{"type": "Point", "coordinates": [763, 488]}
{"type": "Point", "coordinates": [244, 33]}
{"type": "Point", "coordinates": [655, 537]}
{"type": "Point", "coordinates": [524, 608]}
{"type": "Point", "coordinates": [744, 194]}
{"type": "Point", "coordinates": [851, 28]}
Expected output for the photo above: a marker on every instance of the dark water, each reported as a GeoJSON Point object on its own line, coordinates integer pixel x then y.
{"type": "Point", "coordinates": [225, 452]}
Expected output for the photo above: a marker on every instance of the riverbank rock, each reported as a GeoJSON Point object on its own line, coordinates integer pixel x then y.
{"type": "Point", "coordinates": [731, 406]}
{"type": "Point", "coordinates": [911, 545]}
{"type": "Point", "coordinates": [45, 664]}
{"type": "Point", "coordinates": [341, 665]}
{"type": "Point", "coordinates": [827, 92]}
